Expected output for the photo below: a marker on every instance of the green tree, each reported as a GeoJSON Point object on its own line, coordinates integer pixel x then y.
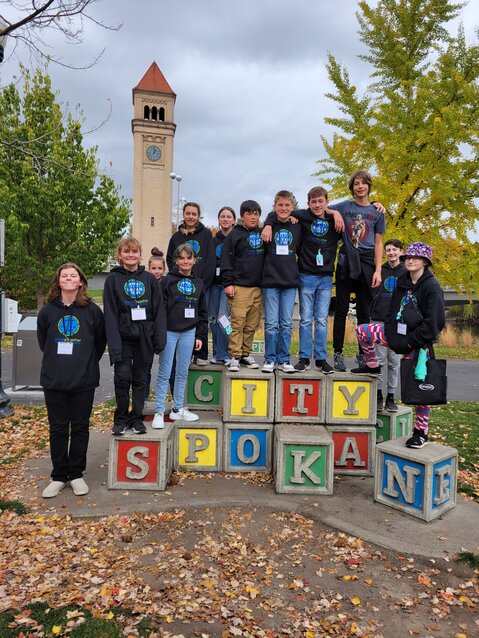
{"type": "Point", "coordinates": [416, 128]}
{"type": "Point", "coordinates": [56, 205]}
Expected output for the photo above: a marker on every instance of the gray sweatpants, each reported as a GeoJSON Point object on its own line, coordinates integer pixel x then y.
{"type": "Point", "coordinates": [385, 354]}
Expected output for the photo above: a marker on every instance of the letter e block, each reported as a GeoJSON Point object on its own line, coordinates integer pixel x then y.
{"type": "Point", "coordinates": [351, 399]}
{"type": "Point", "coordinates": [247, 448]}
{"type": "Point", "coordinates": [198, 444]}
{"type": "Point", "coordinates": [422, 483]}
{"type": "Point", "coordinates": [300, 398]}
{"type": "Point", "coordinates": [393, 425]}
{"type": "Point", "coordinates": [354, 447]}
{"type": "Point", "coordinates": [203, 390]}
{"type": "Point", "coordinates": [303, 459]}
{"type": "Point", "coordinates": [248, 396]}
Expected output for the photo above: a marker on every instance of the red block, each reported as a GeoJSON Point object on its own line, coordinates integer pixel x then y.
{"type": "Point", "coordinates": [133, 460]}
{"type": "Point", "coordinates": [353, 449]}
{"type": "Point", "coordinates": [295, 401]}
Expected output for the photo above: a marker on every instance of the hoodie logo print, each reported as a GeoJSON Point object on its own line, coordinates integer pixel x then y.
{"type": "Point", "coordinates": [254, 240]}
{"type": "Point", "coordinates": [134, 288]}
{"type": "Point", "coordinates": [68, 326]}
{"type": "Point", "coordinates": [218, 250]}
{"type": "Point", "coordinates": [186, 287]}
{"type": "Point", "coordinates": [283, 238]}
{"type": "Point", "coordinates": [319, 227]}
{"type": "Point", "coordinates": [390, 283]}
{"type": "Point", "coordinates": [195, 245]}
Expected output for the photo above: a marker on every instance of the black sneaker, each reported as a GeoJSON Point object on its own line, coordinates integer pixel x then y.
{"type": "Point", "coordinates": [324, 366]}
{"type": "Point", "coordinates": [380, 402]}
{"type": "Point", "coordinates": [364, 369]}
{"type": "Point", "coordinates": [118, 429]}
{"type": "Point", "coordinates": [302, 365]}
{"type": "Point", "coordinates": [139, 428]}
{"type": "Point", "coordinates": [338, 362]}
{"type": "Point", "coordinates": [390, 405]}
{"type": "Point", "coordinates": [359, 359]}
{"type": "Point", "coordinates": [418, 439]}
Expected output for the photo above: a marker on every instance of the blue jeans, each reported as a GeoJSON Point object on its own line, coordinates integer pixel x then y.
{"type": "Point", "coordinates": [278, 323]}
{"type": "Point", "coordinates": [184, 343]}
{"type": "Point", "coordinates": [217, 307]}
{"type": "Point", "coordinates": [314, 301]}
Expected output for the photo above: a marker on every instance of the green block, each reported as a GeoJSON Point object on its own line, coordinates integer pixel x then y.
{"type": "Point", "coordinates": [393, 425]}
{"type": "Point", "coordinates": [301, 470]}
{"type": "Point", "coordinates": [203, 390]}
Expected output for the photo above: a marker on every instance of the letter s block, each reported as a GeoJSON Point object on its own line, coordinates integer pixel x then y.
{"type": "Point", "coordinates": [422, 483]}
{"type": "Point", "coordinates": [198, 445]}
{"type": "Point", "coordinates": [351, 399]}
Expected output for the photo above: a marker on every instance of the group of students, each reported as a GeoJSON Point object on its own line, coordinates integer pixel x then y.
{"type": "Point", "coordinates": [224, 281]}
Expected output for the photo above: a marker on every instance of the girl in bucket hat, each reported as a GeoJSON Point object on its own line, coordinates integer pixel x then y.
{"type": "Point", "coordinates": [415, 318]}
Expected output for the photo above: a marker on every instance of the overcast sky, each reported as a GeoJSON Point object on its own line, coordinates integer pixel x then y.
{"type": "Point", "coordinates": [250, 80]}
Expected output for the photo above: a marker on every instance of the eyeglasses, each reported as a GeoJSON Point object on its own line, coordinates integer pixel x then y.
{"type": "Point", "coordinates": [412, 257]}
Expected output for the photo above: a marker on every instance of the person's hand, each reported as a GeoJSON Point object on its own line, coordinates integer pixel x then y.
{"type": "Point", "coordinates": [293, 220]}
{"type": "Point", "coordinates": [266, 236]}
{"type": "Point", "coordinates": [339, 224]}
{"type": "Point", "coordinates": [230, 291]}
{"type": "Point", "coordinates": [379, 207]}
{"type": "Point", "coordinates": [198, 344]}
{"type": "Point", "coordinates": [376, 279]}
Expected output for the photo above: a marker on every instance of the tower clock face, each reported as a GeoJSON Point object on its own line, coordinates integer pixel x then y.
{"type": "Point", "coordinates": [153, 153]}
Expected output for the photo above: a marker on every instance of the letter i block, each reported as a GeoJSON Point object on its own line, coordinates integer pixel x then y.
{"type": "Point", "coordinates": [393, 425]}
{"type": "Point", "coordinates": [203, 389]}
{"type": "Point", "coordinates": [422, 483]}
{"type": "Point", "coordinates": [303, 459]}
{"type": "Point", "coordinates": [141, 463]}
{"type": "Point", "coordinates": [248, 396]}
{"type": "Point", "coordinates": [300, 397]}
{"type": "Point", "coordinates": [247, 448]}
{"type": "Point", "coordinates": [351, 399]}
{"type": "Point", "coordinates": [198, 444]}
{"type": "Point", "coordinates": [354, 447]}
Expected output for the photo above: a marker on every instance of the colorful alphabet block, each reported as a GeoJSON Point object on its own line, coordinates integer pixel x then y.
{"type": "Point", "coordinates": [393, 425]}
{"type": "Point", "coordinates": [354, 447]}
{"type": "Point", "coordinates": [303, 459]}
{"type": "Point", "coordinates": [199, 444]}
{"type": "Point", "coordinates": [141, 462]}
{"type": "Point", "coordinates": [248, 396]}
{"type": "Point", "coordinates": [351, 399]}
{"type": "Point", "coordinates": [420, 482]}
{"type": "Point", "coordinates": [300, 397]}
{"type": "Point", "coordinates": [203, 389]}
{"type": "Point", "coordinates": [247, 447]}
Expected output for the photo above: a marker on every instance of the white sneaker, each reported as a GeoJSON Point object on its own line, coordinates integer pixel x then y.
{"type": "Point", "coordinates": [286, 367]}
{"type": "Point", "coordinates": [249, 362]}
{"type": "Point", "coordinates": [233, 365]}
{"type": "Point", "coordinates": [200, 362]}
{"type": "Point", "coordinates": [183, 414]}
{"type": "Point", "coordinates": [53, 489]}
{"type": "Point", "coordinates": [158, 422]}
{"type": "Point", "coordinates": [268, 366]}
{"type": "Point", "coordinates": [227, 362]}
{"type": "Point", "coordinates": [79, 487]}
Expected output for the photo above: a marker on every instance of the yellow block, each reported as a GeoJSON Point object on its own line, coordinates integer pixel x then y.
{"type": "Point", "coordinates": [198, 446]}
{"type": "Point", "coordinates": [240, 396]}
{"type": "Point", "coordinates": [342, 403]}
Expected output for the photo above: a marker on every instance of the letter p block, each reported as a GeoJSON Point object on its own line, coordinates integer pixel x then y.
{"type": "Point", "coordinates": [198, 445]}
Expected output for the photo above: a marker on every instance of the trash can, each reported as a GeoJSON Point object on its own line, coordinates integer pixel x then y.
{"type": "Point", "coordinates": [27, 356]}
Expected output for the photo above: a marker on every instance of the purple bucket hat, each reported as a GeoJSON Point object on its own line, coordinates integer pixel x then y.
{"type": "Point", "coordinates": [418, 249]}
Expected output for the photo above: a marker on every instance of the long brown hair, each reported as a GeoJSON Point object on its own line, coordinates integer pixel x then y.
{"type": "Point", "coordinates": [82, 298]}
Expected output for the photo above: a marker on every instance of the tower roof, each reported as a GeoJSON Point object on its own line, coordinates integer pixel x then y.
{"type": "Point", "coordinates": [154, 81]}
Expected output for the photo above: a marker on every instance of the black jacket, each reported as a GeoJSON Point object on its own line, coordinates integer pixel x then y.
{"type": "Point", "coordinates": [281, 270]}
{"type": "Point", "coordinates": [383, 294]}
{"type": "Point", "coordinates": [202, 242]}
{"type": "Point", "coordinates": [123, 291]}
{"type": "Point", "coordinates": [84, 327]}
{"type": "Point", "coordinates": [180, 294]}
{"type": "Point", "coordinates": [218, 241]}
{"type": "Point", "coordinates": [242, 257]}
{"type": "Point", "coordinates": [420, 307]}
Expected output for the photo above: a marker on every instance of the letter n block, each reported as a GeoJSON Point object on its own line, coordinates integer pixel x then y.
{"type": "Point", "coordinates": [422, 483]}
{"type": "Point", "coordinates": [247, 447]}
{"type": "Point", "coordinates": [300, 397]}
{"type": "Point", "coordinates": [354, 447]}
{"type": "Point", "coordinates": [141, 463]}
{"type": "Point", "coordinates": [203, 389]}
{"type": "Point", "coordinates": [198, 444]}
{"type": "Point", "coordinates": [303, 459]}
{"type": "Point", "coordinates": [393, 425]}
{"type": "Point", "coordinates": [351, 399]}
{"type": "Point", "coordinates": [248, 396]}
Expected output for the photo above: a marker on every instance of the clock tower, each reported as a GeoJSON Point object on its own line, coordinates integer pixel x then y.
{"type": "Point", "coordinates": [153, 133]}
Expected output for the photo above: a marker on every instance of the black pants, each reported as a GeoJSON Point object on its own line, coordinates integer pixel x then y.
{"type": "Point", "coordinates": [130, 372]}
{"type": "Point", "coordinates": [344, 288]}
{"type": "Point", "coordinates": [69, 418]}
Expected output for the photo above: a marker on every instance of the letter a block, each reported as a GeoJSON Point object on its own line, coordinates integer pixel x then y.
{"type": "Point", "coordinates": [247, 447]}
{"type": "Point", "coordinates": [354, 447]}
{"type": "Point", "coordinates": [203, 390]}
{"type": "Point", "coordinates": [248, 396]}
{"type": "Point", "coordinates": [393, 425]}
{"type": "Point", "coordinates": [351, 399]}
{"type": "Point", "coordinates": [198, 444]}
{"type": "Point", "coordinates": [300, 398]}
{"type": "Point", "coordinates": [303, 459]}
{"type": "Point", "coordinates": [422, 483]}
{"type": "Point", "coordinates": [141, 463]}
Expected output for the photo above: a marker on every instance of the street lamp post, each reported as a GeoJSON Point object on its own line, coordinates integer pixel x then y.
{"type": "Point", "coordinates": [178, 179]}
{"type": "Point", "coordinates": [3, 39]}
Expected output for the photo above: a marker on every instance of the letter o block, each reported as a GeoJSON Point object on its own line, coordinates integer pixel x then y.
{"type": "Point", "coordinates": [248, 396]}
{"type": "Point", "coordinates": [393, 425]}
{"type": "Point", "coordinates": [141, 463]}
{"type": "Point", "coordinates": [354, 447]}
{"type": "Point", "coordinates": [351, 399]}
{"type": "Point", "coordinates": [247, 447]}
{"type": "Point", "coordinates": [198, 444]}
{"type": "Point", "coordinates": [422, 483]}
{"type": "Point", "coordinates": [203, 389]}
{"type": "Point", "coordinates": [300, 398]}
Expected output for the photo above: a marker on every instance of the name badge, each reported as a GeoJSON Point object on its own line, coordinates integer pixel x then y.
{"type": "Point", "coordinates": [282, 250]}
{"type": "Point", "coordinates": [402, 329]}
{"type": "Point", "coordinates": [65, 347]}
{"type": "Point", "coordinates": [218, 270]}
{"type": "Point", "coordinates": [319, 259]}
{"type": "Point", "coordinates": [189, 313]}
{"type": "Point", "coordinates": [138, 314]}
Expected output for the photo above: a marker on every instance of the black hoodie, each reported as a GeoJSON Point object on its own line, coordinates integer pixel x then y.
{"type": "Point", "coordinates": [242, 257]}
{"type": "Point", "coordinates": [202, 241]}
{"type": "Point", "coordinates": [218, 241]}
{"type": "Point", "coordinates": [383, 294]}
{"type": "Point", "coordinates": [185, 296]}
{"type": "Point", "coordinates": [280, 269]}
{"type": "Point", "coordinates": [83, 327]}
{"type": "Point", "coordinates": [124, 291]}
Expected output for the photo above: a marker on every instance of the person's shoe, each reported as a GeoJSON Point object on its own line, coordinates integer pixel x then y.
{"type": "Point", "coordinates": [79, 487]}
{"type": "Point", "coordinates": [118, 429]}
{"type": "Point", "coordinates": [53, 489]}
{"type": "Point", "coordinates": [249, 362]}
{"type": "Point", "coordinates": [324, 366]}
{"type": "Point", "coordinates": [390, 404]}
{"type": "Point", "coordinates": [338, 362]}
{"type": "Point", "coordinates": [200, 362]}
{"type": "Point", "coordinates": [227, 362]}
{"type": "Point", "coordinates": [418, 440]}
{"type": "Point", "coordinates": [380, 402]}
{"type": "Point", "coordinates": [364, 369]}
{"type": "Point", "coordinates": [233, 365]}
{"type": "Point", "coordinates": [286, 367]}
{"type": "Point", "coordinates": [183, 414]}
{"type": "Point", "coordinates": [268, 366]}
{"type": "Point", "coordinates": [302, 365]}
{"type": "Point", "coordinates": [158, 422]}
{"type": "Point", "coordinates": [359, 358]}
{"type": "Point", "coordinates": [139, 428]}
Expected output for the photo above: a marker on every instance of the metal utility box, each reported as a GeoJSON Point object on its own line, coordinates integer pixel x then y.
{"type": "Point", "coordinates": [27, 356]}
